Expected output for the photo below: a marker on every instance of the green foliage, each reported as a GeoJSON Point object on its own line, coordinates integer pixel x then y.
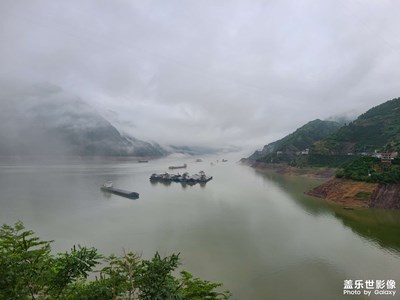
{"type": "Point", "coordinates": [331, 161]}
{"type": "Point", "coordinates": [330, 144]}
{"type": "Point", "coordinates": [154, 278]}
{"type": "Point", "coordinates": [28, 270]}
{"type": "Point", "coordinates": [378, 128]}
{"type": "Point", "coordinates": [23, 262]}
{"type": "Point", "coordinates": [370, 169]}
{"type": "Point", "coordinates": [363, 196]}
{"type": "Point", "coordinates": [396, 161]}
{"type": "Point", "coordinates": [301, 139]}
{"type": "Point", "coordinates": [66, 268]}
{"type": "Point", "coordinates": [197, 289]}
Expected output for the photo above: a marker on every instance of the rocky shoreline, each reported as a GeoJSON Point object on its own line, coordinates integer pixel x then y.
{"type": "Point", "coordinates": [352, 193]}
{"type": "Point", "coordinates": [349, 193]}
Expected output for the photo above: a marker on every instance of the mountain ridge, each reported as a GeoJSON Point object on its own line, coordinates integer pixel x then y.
{"type": "Point", "coordinates": [45, 120]}
{"type": "Point", "coordinates": [376, 130]}
{"type": "Point", "coordinates": [296, 142]}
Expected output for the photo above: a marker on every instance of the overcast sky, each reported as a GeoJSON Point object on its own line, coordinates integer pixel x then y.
{"type": "Point", "coordinates": [208, 73]}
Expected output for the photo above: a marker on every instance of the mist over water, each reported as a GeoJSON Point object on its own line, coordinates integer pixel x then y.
{"type": "Point", "coordinates": [80, 79]}
{"type": "Point", "coordinates": [232, 72]}
{"type": "Point", "coordinates": [254, 231]}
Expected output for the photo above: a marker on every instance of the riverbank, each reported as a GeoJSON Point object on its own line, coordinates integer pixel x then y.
{"type": "Point", "coordinates": [352, 193]}
{"type": "Point", "coordinates": [284, 169]}
{"type": "Point", "coordinates": [349, 193]}
{"type": "Point", "coordinates": [346, 192]}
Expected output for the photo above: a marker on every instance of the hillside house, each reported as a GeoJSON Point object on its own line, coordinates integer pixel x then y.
{"type": "Point", "coordinates": [305, 152]}
{"type": "Point", "coordinates": [387, 157]}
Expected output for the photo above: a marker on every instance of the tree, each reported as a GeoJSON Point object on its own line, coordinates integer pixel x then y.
{"type": "Point", "coordinates": [28, 270]}
{"type": "Point", "coordinates": [197, 289]}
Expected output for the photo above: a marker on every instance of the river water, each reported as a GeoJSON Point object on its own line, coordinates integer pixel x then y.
{"type": "Point", "coordinates": [254, 231]}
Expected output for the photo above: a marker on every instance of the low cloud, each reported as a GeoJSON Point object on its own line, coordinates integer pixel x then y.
{"type": "Point", "coordinates": [208, 73]}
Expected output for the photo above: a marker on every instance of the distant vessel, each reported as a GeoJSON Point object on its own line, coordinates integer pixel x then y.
{"type": "Point", "coordinates": [224, 160]}
{"type": "Point", "coordinates": [108, 187]}
{"type": "Point", "coordinates": [177, 167]}
{"type": "Point", "coordinates": [143, 161]}
{"type": "Point", "coordinates": [199, 160]}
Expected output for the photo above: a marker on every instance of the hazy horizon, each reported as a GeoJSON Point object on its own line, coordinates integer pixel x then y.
{"type": "Point", "coordinates": [207, 73]}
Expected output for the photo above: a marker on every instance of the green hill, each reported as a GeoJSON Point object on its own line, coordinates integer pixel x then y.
{"type": "Point", "coordinates": [292, 145]}
{"type": "Point", "coordinates": [377, 129]}
{"type": "Point", "coordinates": [333, 145]}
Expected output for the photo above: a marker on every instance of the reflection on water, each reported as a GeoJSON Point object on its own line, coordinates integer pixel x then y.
{"type": "Point", "coordinates": [184, 185]}
{"type": "Point", "coordinates": [294, 187]}
{"type": "Point", "coordinates": [254, 231]}
{"type": "Point", "coordinates": [379, 226]}
{"type": "Point", "coordinates": [106, 194]}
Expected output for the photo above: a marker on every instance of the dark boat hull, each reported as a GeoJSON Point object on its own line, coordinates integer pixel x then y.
{"type": "Point", "coordinates": [179, 178]}
{"type": "Point", "coordinates": [122, 193]}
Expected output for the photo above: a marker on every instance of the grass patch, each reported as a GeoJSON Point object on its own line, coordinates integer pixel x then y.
{"type": "Point", "coordinates": [363, 196]}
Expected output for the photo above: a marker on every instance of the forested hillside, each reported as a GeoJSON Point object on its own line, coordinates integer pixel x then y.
{"type": "Point", "coordinates": [377, 129]}
{"type": "Point", "coordinates": [332, 145]}
{"type": "Point", "coordinates": [296, 143]}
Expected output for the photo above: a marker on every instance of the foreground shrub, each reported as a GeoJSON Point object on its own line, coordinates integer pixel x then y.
{"type": "Point", "coordinates": [28, 270]}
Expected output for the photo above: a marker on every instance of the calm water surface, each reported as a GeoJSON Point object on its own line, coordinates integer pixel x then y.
{"type": "Point", "coordinates": [254, 231]}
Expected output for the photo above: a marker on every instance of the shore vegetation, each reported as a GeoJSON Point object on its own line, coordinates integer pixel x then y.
{"type": "Point", "coordinates": [29, 270]}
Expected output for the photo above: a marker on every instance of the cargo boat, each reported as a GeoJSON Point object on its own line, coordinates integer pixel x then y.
{"type": "Point", "coordinates": [108, 187]}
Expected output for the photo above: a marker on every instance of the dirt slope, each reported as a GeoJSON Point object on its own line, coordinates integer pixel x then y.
{"type": "Point", "coordinates": [347, 192]}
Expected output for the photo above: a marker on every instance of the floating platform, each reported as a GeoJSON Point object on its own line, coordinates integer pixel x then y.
{"type": "Point", "coordinates": [119, 192]}
{"type": "Point", "coordinates": [184, 178]}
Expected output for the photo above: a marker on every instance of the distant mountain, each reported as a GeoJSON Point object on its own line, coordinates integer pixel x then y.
{"type": "Point", "coordinates": [197, 150]}
{"type": "Point", "coordinates": [377, 129]}
{"type": "Point", "coordinates": [45, 120]}
{"type": "Point", "coordinates": [297, 142]}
